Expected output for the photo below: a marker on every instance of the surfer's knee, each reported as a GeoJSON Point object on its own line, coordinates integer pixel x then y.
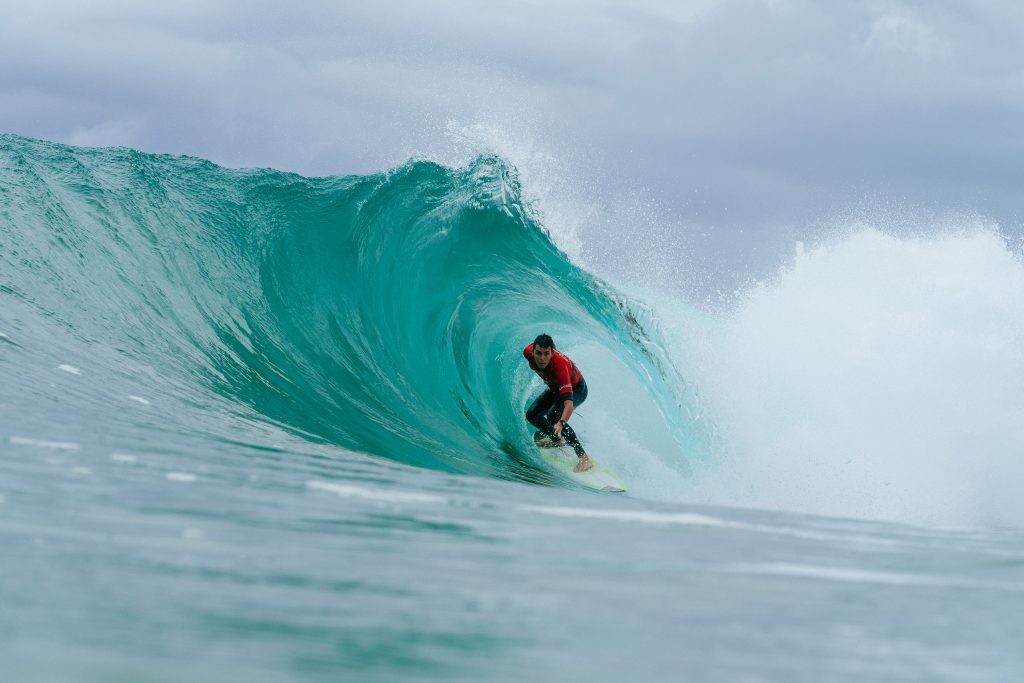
{"type": "Point", "coordinates": [534, 418]}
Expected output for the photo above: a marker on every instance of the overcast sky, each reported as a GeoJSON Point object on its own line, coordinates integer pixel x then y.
{"type": "Point", "coordinates": [717, 128]}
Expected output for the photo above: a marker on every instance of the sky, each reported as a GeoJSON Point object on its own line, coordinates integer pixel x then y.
{"type": "Point", "coordinates": [712, 134]}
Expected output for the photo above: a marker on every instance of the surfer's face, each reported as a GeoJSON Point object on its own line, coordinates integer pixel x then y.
{"type": "Point", "coordinates": [542, 356]}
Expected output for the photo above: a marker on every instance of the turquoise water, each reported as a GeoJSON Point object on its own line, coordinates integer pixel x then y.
{"type": "Point", "coordinates": [256, 426]}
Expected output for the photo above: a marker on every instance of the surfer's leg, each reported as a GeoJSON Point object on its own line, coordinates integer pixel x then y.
{"type": "Point", "coordinates": [572, 440]}
{"type": "Point", "coordinates": [553, 415]}
{"type": "Point", "coordinates": [536, 414]}
{"type": "Point", "coordinates": [579, 395]}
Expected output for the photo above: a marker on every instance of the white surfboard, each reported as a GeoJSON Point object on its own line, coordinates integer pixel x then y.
{"type": "Point", "coordinates": [597, 477]}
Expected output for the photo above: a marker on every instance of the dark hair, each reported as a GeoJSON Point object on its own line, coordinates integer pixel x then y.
{"type": "Point", "coordinates": [544, 341]}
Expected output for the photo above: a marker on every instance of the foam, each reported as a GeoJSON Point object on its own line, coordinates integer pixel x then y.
{"type": "Point", "coordinates": [383, 495]}
{"type": "Point", "coordinates": [641, 516]}
{"type": "Point", "coordinates": [877, 377]}
{"type": "Point", "coordinates": [547, 181]}
{"type": "Point", "coordinates": [40, 443]}
{"type": "Point", "coordinates": [71, 369]}
{"type": "Point", "coordinates": [870, 576]}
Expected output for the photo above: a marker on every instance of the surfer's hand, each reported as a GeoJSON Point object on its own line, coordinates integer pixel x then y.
{"type": "Point", "coordinates": [557, 429]}
{"type": "Point", "coordinates": [584, 464]}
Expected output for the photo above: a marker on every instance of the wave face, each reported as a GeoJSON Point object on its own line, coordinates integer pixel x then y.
{"type": "Point", "coordinates": [385, 313]}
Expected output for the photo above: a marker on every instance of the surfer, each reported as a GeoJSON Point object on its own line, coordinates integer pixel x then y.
{"type": "Point", "coordinates": [550, 412]}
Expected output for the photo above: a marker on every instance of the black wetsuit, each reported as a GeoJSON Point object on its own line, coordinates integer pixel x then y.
{"type": "Point", "coordinates": [546, 410]}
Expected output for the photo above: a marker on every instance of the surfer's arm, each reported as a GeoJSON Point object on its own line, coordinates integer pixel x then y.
{"type": "Point", "coordinates": [564, 377]}
{"type": "Point", "coordinates": [566, 412]}
{"type": "Point", "coordinates": [567, 408]}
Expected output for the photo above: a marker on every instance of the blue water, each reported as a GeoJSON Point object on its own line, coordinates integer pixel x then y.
{"type": "Point", "coordinates": [262, 427]}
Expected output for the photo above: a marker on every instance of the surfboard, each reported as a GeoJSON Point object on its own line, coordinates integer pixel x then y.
{"type": "Point", "coordinates": [597, 477]}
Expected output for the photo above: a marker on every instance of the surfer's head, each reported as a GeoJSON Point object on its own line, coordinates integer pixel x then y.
{"type": "Point", "coordinates": [543, 348]}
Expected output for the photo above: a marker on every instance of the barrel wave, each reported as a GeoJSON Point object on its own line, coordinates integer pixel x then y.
{"type": "Point", "coordinates": [385, 313]}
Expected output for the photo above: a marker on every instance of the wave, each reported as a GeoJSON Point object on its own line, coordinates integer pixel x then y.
{"type": "Point", "coordinates": [384, 313]}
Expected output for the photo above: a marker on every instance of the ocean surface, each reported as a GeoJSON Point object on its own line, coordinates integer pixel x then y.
{"type": "Point", "coordinates": [261, 427]}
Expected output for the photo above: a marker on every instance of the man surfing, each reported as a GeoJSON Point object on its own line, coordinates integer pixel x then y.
{"type": "Point", "coordinates": [550, 412]}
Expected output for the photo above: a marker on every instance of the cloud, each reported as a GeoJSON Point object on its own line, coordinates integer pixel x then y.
{"type": "Point", "coordinates": [901, 30]}
{"type": "Point", "coordinates": [732, 114]}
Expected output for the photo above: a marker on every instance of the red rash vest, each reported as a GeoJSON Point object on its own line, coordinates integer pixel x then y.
{"type": "Point", "coordinates": [560, 374]}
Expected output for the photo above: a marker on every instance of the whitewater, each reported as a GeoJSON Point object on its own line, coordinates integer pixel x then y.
{"type": "Point", "coordinates": [259, 426]}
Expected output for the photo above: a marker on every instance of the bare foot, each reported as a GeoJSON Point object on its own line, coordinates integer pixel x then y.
{"type": "Point", "coordinates": [584, 464]}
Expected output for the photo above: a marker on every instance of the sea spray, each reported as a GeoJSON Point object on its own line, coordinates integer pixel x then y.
{"type": "Point", "coordinates": [878, 376]}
